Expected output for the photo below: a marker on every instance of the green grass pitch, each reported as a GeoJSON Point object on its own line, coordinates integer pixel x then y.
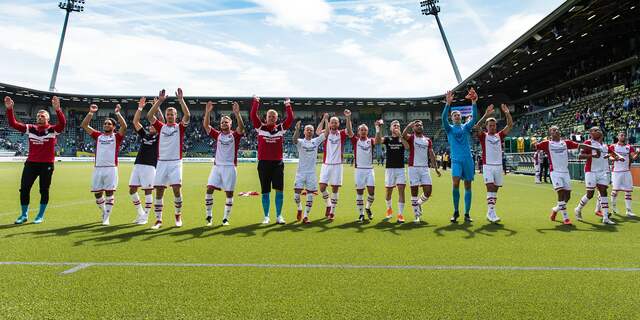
{"type": "Point", "coordinates": [526, 237]}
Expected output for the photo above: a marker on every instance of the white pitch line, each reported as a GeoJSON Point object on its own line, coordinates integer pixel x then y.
{"type": "Point", "coordinates": [54, 206]}
{"type": "Point", "coordinates": [83, 265]}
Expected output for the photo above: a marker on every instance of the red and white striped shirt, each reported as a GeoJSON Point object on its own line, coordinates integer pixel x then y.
{"type": "Point", "coordinates": [170, 140]}
{"type": "Point", "coordinates": [333, 147]}
{"type": "Point", "coordinates": [624, 150]}
{"type": "Point", "coordinates": [363, 152]}
{"type": "Point", "coordinates": [492, 148]}
{"type": "Point", "coordinates": [227, 145]}
{"type": "Point", "coordinates": [596, 164]}
{"type": "Point", "coordinates": [419, 147]}
{"type": "Point", "coordinates": [270, 138]}
{"type": "Point", "coordinates": [107, 147]}
{"type": "Point", "coordinates": [558, 153]}
{"type": "Point", "coordinates": [42, 139]}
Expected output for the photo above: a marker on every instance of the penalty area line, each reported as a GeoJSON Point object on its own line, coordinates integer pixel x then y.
{"type": "Point", "coordinates": [77, 266]}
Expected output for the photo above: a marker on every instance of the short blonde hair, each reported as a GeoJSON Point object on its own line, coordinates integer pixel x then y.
{"type": "Point", "coordinates": [46, 113]}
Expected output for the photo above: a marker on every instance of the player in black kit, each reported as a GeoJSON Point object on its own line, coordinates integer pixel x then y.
{"type": "Point", "coordinates": [144, 169]}
{"type": "Point", "coordinates": [394, 175]}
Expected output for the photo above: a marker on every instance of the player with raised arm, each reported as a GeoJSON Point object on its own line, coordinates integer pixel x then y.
{"type": "Point", "coordinates": [144, 168]}
{"type": "Point", "coordinates": [42, 142]}
{"type": "Point", "coordinates": [420, 155]}
{"type": "Point", "coordinates": [331, 170]}
{"type": "Point", "coordinates": [170, 142]}
{"type": "Point", "coordinates": [363, 147]}
{"type": "Point", "coordinates": [105, 173]}
{"type": "Point", "coordinates": [491, 143]}
{"type": "Point", "coordinates": [622, 181]}
{"type": "Point", "coordinates": [459, 136]}
{"type": "Point", "coordinates": [596, 173]}
{"type": "Point", "coordinates": [394, 175]}
{"type": "Point", "coordinates": [306, 173]}
{"type": "Point", "coordinates": [224, 172]}
{"type": "Point", "coordinates": [558, 152]}
{"type": "Point", "coordinates": [270, 147]}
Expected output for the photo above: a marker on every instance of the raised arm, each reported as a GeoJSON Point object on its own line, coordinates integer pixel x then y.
{"type": "Point", "coordinates": [445, 112]}
{"type": "Point", "coordinates": [379, 138]}
{"type": "Point", "coordinates": [321, 125]}
{"type": "Point", "coordinates": [136, 117]}
{"type": "Point", "coordinates": [121, 121]}
{"type": "Point", "coordinates": [347, 114]}
{"type": "Point", "coordinates": [87, 119]}
{"type": "Point", "coordinates": [405, 132]}
{"type": "Point", "coordinates": [486, 115]}
{"type": "Point", "coordinates": [473, 96]}
{"type": "Point", "coordinates": [288, 109]}
{"type": "Point", "coordinates": [186, 114]}
{"type": "Point", "coordinates": [236, 112]}
{"type": "Point", "coordinates": [325, 122]}
{"type": "Point", "coordinates": [11, 116]}
{"type": "Point", "coordinates": [62, 121]}
{"type": "Point", "coordinates": [207, 115]}
{"type": "Point", "coordinates": [507, 114]}
{"type": "Point", "coordinates": [296, 133]}
{"type": "Point", "coordinates": [253, 114]}
{"type": "Point", "coordinates": [151, 115]}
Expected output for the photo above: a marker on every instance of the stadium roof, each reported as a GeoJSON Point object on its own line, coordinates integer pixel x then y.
{"type": "Point", "coordinates": [532, 66]}
{"type": "Point", "coordinates": [535, 64]}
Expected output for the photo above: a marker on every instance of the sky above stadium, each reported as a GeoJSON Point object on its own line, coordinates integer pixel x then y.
{"type": "Point", "coordinates": [338, 48]}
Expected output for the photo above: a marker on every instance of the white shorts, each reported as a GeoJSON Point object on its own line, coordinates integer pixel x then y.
{"type": "Point", "coordinates": [364, 178]}
{"type": "Point", "coordinates": [493, 174]}
{"type": "Point", "coordinates": [394, 176]}
{"type": "Point", "coordinates": [306, 180]}
{"type": "Point", "coordinates": [331, 174]}
{"type": "Point", "coordinates": [561, 180]}
{"type": "Point", "coordinates": [104, 179]}
{"type": "Point", "coordinates": [622, 181]}
{"type": "Point", "coordinates": [168, 173]}
{"type": "Point", "coordinates": [142, 176]}
{"type": "Point", "coordinates": [223, 178]}
{"type": "Point", "coordinates": [593, 179]}
{"type": "Point", "coordinates": [419, 176]}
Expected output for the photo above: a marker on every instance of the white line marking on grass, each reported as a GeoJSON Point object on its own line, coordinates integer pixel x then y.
{"type": "Point", "coordinates": [35, 207]}
{"type": "Point", "coordinates": [83, 265]}
{"type": "Point", "coordinates": [77, 268]}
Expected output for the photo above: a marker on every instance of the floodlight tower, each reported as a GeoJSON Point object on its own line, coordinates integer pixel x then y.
{"type": "Point", "coordinates": [430, 8]}
{"type": "Point", "coordinates": [68, 6]}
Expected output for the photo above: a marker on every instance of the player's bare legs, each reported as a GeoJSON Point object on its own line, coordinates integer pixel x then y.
{"type": "Point", "coordinates": [334, 201]}
{"type": "Point", "coordinates": [135, 199]}
{"type": "Point", "coordinates": [100, 202]}
{"type": "Point", "coordinates": [159, 206]}
{"type": "Point", "coordinates": [492, 192]}
{"type": "Point", "coordinates": [370, 198]}
{"type": "Point", "coordinates": [108, 206]}
{"type": "Point", "coordinates": [177, 203]}
{"type": "Point", "coordinates": [208, 204]}
{"type": "Point", "coordinates": [360, 204]}
{"type": "Point", "coordinates": [583, 202]}
{"type": "Point", "coordinates": [387, 199]}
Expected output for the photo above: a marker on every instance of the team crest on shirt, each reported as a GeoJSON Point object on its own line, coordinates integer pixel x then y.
{"type": "Point", "coordinates": [169, 132]}
{"type": "Point", "coordinates": [493, 140]}
{"type": "Point", "coordinates": [225, 140]}
{"type": "Point", "coordinates": [334, 140]}
{"type": "Point", "coordinates": [365, 148]}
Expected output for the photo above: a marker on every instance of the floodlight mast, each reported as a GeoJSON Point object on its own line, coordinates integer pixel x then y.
{"type": "Point", "coordinates": [69, 6]}
{"type": "Point", "coordinates": [430, 8]}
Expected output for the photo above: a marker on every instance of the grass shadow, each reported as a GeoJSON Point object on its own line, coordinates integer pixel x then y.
{"type": "Point", "coordinates": [455, 227]}
{"type": "Point", "coordinates": [491, 229]}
